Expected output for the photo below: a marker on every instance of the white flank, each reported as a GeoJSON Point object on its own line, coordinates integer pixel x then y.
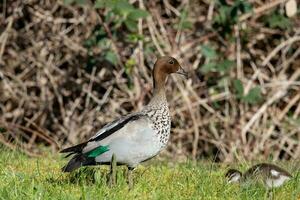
{"type": "Point", "coordinates": [276, 182]}
{"type": "Point", "coordinates": [274, 172]}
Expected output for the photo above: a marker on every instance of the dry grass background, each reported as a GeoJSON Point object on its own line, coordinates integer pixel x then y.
{"type": "Point", "coordinates": [49, 95]}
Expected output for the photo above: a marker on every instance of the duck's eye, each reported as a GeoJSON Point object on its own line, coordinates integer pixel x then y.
{"type": "Point", "coordinates": [171, 62]}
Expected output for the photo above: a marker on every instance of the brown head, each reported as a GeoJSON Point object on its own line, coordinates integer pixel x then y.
{"type": "Point", "coordinates": [162, 68]}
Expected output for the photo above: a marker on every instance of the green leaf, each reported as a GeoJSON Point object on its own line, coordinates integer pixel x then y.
{"type": "Point", "coordinates": [134, 37]}
{"type": "Point", "coordinates": [223, 81]}
{"type": "Point", "coordinates": [110, 16]}
{"type": "Point", "coordinates": [245, 7]}
{"type": "Point", "coordinates": [99, 4]}
{"type": "Point", "coordinates": [67, 2]}
{"type": "Point", "coordinates": [234, 14]}
{"type": "Point", "coordinates": [123, 7]}
{"type": "Point", "coordinates": [223, 17]}
{"type": "Point", "coordinates": [254, 96]}
{"type": "Point", "coordinates": [225, 65]}
{"type": "Point", "coordinates": [97, 151]}
{"type": "Point", "coordinates": [209, 67]}
{"type": "Point", "coordinates": [238, 8]}
{"type": "Point", "coordinates": [216, 105]}
{"type": "Point", "coordinates": [184, 21]}
{"type": "Point", "coordinates": [2, 130]}
{"type": "Point", "coordinates": [239, 88]}
{"type": "Point", "coordinates": [131, 25]}
{"type": "Point", "coordinates": [208, 52]}
{"type": "Point", "coordinates": [276, 20]}
{"type": "Point", "coordinates": [227, 15]}
{"type": "Point", "coordinates": [137, 14]}
{"type": "Point", "coordinates": [111, 57]}
{"type": "Point", "coordinates": [80, 2]}
{"type": "Point", "coordinates": [130, 63]}
{"type": "Point", "coordinates": [104, 43]}
{"type": "Point", "coordinates": [186, 25]}
{"type": "Point", "coordinates": [294, 121]}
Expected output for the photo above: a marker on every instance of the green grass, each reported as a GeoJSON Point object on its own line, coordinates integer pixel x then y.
{"type": "Point", "coordinates": [40, 178]}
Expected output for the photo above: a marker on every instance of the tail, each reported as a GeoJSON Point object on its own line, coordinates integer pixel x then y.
{"type": "Point", "coordinates": [78, 159]}
{"type": "Point", "coordinates": [82, 159]}
{"type": "Point", "coordinates": [74, 149]}
{"type": "Point", "coordinates": [76, 162]}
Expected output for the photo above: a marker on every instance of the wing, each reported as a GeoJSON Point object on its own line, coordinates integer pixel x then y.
{"type": "Point", "coordinates": [103, 133]}
{"type": "Point", "coordinates": [114, 126]}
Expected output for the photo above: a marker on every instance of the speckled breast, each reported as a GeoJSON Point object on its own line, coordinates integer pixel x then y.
{"type": "Point", "coordinates": [160, 116]}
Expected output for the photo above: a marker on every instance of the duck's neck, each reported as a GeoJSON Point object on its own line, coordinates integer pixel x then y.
{"type": "Point", "coordinates": [159, 92]}
{"type": "Point", "coordinates": [159, 96]}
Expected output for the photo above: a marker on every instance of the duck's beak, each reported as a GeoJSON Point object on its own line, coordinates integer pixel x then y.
{"type": "Point", "coordinates": [182, 72]}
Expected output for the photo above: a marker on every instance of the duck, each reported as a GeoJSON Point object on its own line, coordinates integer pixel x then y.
{"type": "Point", "coordinates": [136, 137]}
{"type": "Point", "coordinates": [272, 175]}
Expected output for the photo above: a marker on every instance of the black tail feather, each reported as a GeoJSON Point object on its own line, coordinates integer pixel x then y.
{"type": "Point", "coordinates": [77, 161]}
{"type": "Point", "coordinates": [69, 154]}
{"type": "Point", "coordinates": [75, 149]}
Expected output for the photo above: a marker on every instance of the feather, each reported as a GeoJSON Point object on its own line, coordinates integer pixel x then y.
{"type": "Point", "coordinates": [74, 149]}
{"type": "Point", "coordinates": [97, 151]}
{"type": "Point", "coordinates": [77, 161]}
{"type": "Point", "coordinates": [115, 126]}
{"type": "Point", "coordinates": [103, 133]}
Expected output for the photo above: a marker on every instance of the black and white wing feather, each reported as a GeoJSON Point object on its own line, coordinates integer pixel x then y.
{"type": "Point", "coordinates": [104, 132]}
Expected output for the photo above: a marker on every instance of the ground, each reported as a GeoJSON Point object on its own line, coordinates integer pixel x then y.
{"type": "Point", "coordinates": [40, 178]}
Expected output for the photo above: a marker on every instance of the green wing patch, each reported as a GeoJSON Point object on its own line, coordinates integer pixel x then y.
{"type": "Point", "coordinates": [97, 151]}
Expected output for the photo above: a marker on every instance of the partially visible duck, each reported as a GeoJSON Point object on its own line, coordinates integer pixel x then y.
{"type": "Point", "coordinates": [233, 176]}
{"type": "Point", "coordinates": [271, 175]}
{"type": "Point", "coordinates": [136, 137]}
